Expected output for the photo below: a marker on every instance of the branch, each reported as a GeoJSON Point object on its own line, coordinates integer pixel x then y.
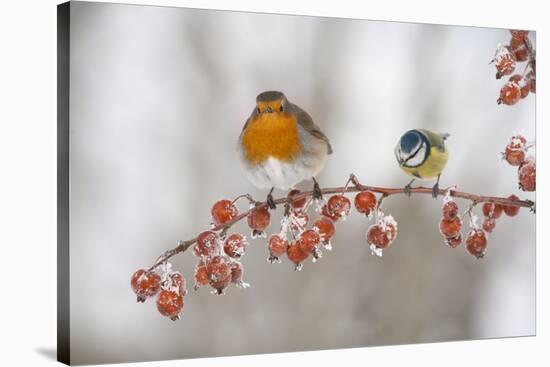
{"type": "Point", "coordinates": [357, 187]}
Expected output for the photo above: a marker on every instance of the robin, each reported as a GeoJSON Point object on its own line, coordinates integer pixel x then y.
{"type": "Point", "coordinates": [280, 145]}
{"type": "Point", "coordinates": [422, 154]}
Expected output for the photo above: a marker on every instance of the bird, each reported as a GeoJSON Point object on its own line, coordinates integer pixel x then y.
{"type": "Point", "coordinates": [280, 145]}
{"type": "Point", "coordinates": [422, 154]}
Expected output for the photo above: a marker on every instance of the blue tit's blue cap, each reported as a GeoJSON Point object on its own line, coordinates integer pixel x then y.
{"type": "Point", "coordinates": [410, 140]}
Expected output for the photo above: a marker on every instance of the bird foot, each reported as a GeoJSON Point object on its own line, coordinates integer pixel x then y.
{"type": "Point", "coordinates": [435, 190]}
{"type": "Point", "coordinates": [317, 194]}
{"type": "Point", "coordinates": [407, 189]}
{"type": "Point", "coordinates": [271, 202]}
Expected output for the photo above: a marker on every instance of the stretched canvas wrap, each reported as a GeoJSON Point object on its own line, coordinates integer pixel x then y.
{"type": "Point", "coordinates": [235, 183]}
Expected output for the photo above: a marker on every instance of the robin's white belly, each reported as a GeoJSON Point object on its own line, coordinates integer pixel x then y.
{"type": "Point", "coordinates": [283, 175]}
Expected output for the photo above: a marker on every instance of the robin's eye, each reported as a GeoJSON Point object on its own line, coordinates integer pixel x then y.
{"type": "Point", "coordinates": [258, 110]}
{"type": "Point", "coordinates": [281, 108]}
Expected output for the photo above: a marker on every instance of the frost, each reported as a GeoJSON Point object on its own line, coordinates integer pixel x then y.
{"type": "Point", "coordinates": [258, 234]}
{"type": "Point", "coordinates": [319, 203]}
{"type": "Point", "coordinates": [241, 284]}
{"type": "Point", "coordinates": [273, 260]}
{"type": "Point", "coordinates": [375, 250]}
{"type": "Point", "coordinates": [327, 246]}
{"type": "Point", "coordinates": [299, 267]}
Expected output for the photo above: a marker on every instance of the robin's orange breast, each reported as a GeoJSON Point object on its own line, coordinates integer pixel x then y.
{"type": "Point", "coordinates": [271, 134]}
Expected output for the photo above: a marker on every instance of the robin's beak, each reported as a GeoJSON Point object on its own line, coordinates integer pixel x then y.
{"type": "Point", "coordinates": [268, 110]}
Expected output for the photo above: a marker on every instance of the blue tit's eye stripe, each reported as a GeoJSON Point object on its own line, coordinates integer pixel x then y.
{"type": "Point", "coordinates": [413, 154]}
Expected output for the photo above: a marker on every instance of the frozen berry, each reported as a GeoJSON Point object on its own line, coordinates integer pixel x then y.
{"type": "Point", "coordinates": [505, 61]}
{"type": "Point", "coordinates": [476, 243]}
{"type": "Point", "coordinates": [514, 157]}
{"type": "Point", "coordinates": [258, 219]}
{"type": "Point", "coordinates": [236, 272]}
{"type": "Point", "coordinates": [517, 142]}
{"type": "Point", "coordinates": [365, 202]}
{"type": "Point", "coordinates": [223, 211]}
{"type": "Point", "coordinates": [450, 228]}
{"type": "Point", "coordinates": [489, 224]}
{"type": "Point", "coordinates": [339, 206]}
{"type": "Point", "coordinates": [519, 49]}
{"type": "Point", "coordinates": [531, 79]}
{"type": "Point", "coordinates": [201, 275]}
{"type": "Point", "coordinates": [170, 304]}
{"type": "Point", "coordinates": [510, 94]}
{"type": "Point", "coordinates": [377, 236]}
{"type": "Point", "coordinates": [207, 244]}
{"type": "Point", "coordinates": [325, 211]}
{"type": "Point", "coordinates": [518, 33]}
{"type": "Point", "coordinates": [145, 284]}
{"type": "Point", "coordinates": [522, 83]}
{"type": "Point", "coordinates": [277, 246]}
{"type": "Point", "coordinates": [296, 255]}
{"type": "Point", "coordinates": [511, 210]}
{"type": "Point", "coordinates": [450, 210]}
{"type": "Point", "coordinates": [455, 241]}
{"type": "Point", "coordinates": [219, 273]}
{"type": "Point", "coordinates": [235, 245]}
{"type": "Point", "coordinates": [492, 210]}
{"type": "Point", "coordinates": [325, 227]}
{"type": "Point", "coordinates": [527, 175]}
{"type": "Point", "coordinates": [296, 204]}
{"type": "Point", "coordinates": [309, 240]}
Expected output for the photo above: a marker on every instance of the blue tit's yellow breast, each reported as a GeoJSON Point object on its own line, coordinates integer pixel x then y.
{"type": "Point", "coordinates": [431, 167]}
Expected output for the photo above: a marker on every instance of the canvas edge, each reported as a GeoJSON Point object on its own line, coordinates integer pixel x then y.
{"type": "Point", "coordinates": [63, 263]}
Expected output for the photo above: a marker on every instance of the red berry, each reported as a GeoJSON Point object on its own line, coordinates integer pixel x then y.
{"type": "Point", "coordinates": [519, 34]}
{"type": "Point", "coordinates": [489, 224]}
{"type": "Point", "coordinates": [522, 83]}
{"type": "Point", "coordinates": [277, 245]}
{"type": "Point", "coordinates": [450, 210]}
{"type": "Point", "coordinates": [299, 221]}
{"type": "Point", "coordinates": [224, 211]}
{"type": "Point", "coordinates": [476, 243]}
{"type": "Point", "coordinates": [296, 204]}
{"type": "Point", "coordinates": [531, 79]}
{"type": "Point", "coordinates": [219, 273]}
{"type": "Point", "coordinates": [492, 210]}
{"type": "Point", "coordinates": [455, 241]}
{"type": "Point", "coordinates": [510, 94]}
{"type": "Point", "coordinates": [201, 274]}
{"type": "Point", "coordinates": [236, 272]}
{"type": "Point", "coordinates": [235, 245]}
{"type": "Point", "coordinates": [259, 218]}
{"type": "Point", "coordinates": [145, 284]}
{"type": "Point", "coordinates": [519, 49]}
{"type": "Point", "coordinates": [325, 211]}
{"type": "Point", "coordinates": [325, 227]}
{"type": "Point", "coordinates": [505, 61]}
{"type": "Point", "coordinates": [514, 157]}
{"type": "Point", "coordinates": [207, 244]}
{"type": "Point", "coordinates": [450, 228]}
{"type": "Point", "coordinates": [170, 304]}
{"type": "Point", "coordinates": [527, 175]}
{"type": "Point", "coordinates": [511, 211]}
{"type": "Point", "coordinates": [309, 240]}
{"type": "Point", "coordinates": [177, 283]}
{"type": "Point", "coordinates": [377, 236]}
{"type": "Point", "coordinates": [365, 202]}
{"type": "Point", "coordinates": [339, 206]}
{"type": "Point", "coordinates": [296, 255]}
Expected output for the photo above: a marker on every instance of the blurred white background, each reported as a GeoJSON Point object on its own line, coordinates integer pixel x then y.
{"type": "Point", "coordinates": [158, 98]}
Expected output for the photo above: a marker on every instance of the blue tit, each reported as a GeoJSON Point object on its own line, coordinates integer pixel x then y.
{"type": "Point", "coordinates": [422, 154]}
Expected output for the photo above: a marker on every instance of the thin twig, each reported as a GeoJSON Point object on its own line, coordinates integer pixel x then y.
{"type": "Point", "coordinates": [386, 192]}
